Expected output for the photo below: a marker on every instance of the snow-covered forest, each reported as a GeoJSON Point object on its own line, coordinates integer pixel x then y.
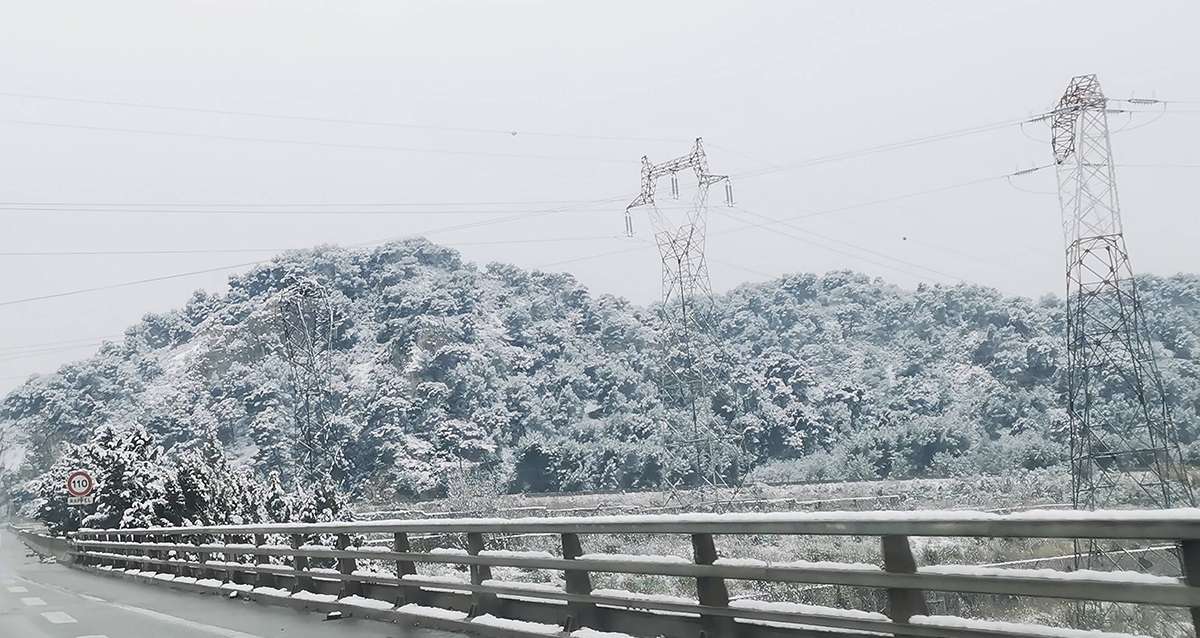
{"type": "Point", "coordinates": [536, 383]}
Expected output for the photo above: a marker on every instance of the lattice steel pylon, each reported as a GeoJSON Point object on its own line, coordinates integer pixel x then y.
{"type": "Point", "coordinates": [1123, 446]}
{"type": "Point", "coordinates": [306, 319]}
{"type": "Point", "coordinates": [1124, 450]}
{"type": "Point", "coordinates": [689, 342]}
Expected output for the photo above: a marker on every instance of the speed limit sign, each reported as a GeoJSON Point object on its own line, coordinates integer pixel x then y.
{"type": "Point", "coordinates": [80, 488]}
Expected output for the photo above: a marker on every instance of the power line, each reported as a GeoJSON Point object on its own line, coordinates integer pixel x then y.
{"type": "Point", "coordinates": [240, 205]}
{"type": "Point", "coordinates": [195, 251]}
{"type": "Point", "coordinates": [46, 344]}
{"type": "Point", "coordinates": [203, 271]}
{"type": "Point", "coordinates": [891, 146]}
{"type": "Point", "coordinates": [910, 195]}
{"type": "Point", "coordinates": [853, 246]}
{"type": "Point", "coordinates": [31, 354]}
{"type": "Point", "coordinates": [291, 142]}
{"type": "Point", "coordinates": [334, 120]}
{"type": "Point", "coordinates": [213, 251]}
{"type": "Point", "coordinates": [773, 223]}
{"type": "Point", "coordinates": [253, 212]}
{"type": "Point", "coordinates": [827, 211]}
{"type": "Point", "coordinates": [593, 256]}
{"type": "Point", "coordinates": [126, 284]}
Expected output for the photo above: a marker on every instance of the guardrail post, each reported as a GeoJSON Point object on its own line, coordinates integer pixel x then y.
{"type": "Point", "coordinates": [483, 602]}
{"type": "Point", "coordinates": [179, 569]}
{"type": "Point", "coordinates": [579, 581]}
{"type": "Point", "coordinates": [1190, 551]}
{"type": "Point", "coordinates": [231, 574]}
{"type": "Point", "coordinates": [400, 545]}
{"type": "Point", "coordinates": [711, 591]}
{"type": "Point", "coordinates": [300, 564]}
{"type": "Point", "coordinates": [128, 552]}
{"type": "Point", "coordinates": [204, 572]}
{"type": "Point", "coordinates": [263, 579]}
{"type": "Point", "coordinates": [898, 559]}
{"type": "Point", "coordinates": [346, 567]}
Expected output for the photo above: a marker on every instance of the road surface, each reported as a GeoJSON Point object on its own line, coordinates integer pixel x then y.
{"type": "Point", "coordinates": [39, 600]}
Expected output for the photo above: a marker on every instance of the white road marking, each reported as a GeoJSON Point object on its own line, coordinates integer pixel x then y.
{"type": "Point", "coordinates": [17, 589]}
{"type": "Point", "coordinates": [216, 631]}
{"type": "Point", "coordinates": [33, 601]}
{"type": "Point", "coordinates": [95, 599]}
{"type": "Point", "coordinates": [58, 617]}
{"type": "Point", "coordinates": [93, 636]}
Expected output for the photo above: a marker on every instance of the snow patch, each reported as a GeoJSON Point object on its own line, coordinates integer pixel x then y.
{"type": "Point", "coordinates": [517, 625]}
{"type": "Point", "coordinates": [265, 591]}
{"type": "Point", "coordinates": [432, 612]}
{"type": "Point", "coordinates": [636, 558]}
{"type": "Point", "coordinates": [531, 587]}
{"type": "Point", "coordinates": [796, 564]}
{"type": "Point", "coordinates": [314, 597]}
{"type": "Point", "coordinates": [635, 597]}
{"type": "Point", "coordinates": [367, 603]}
{"type": "Point", "coordinates": [1052, 574]}
{"type": "Point", "coordinates": [367, 573]}
{"type": "Point", "coordinates": [1015, 627]}
{"type": "Point", "coordinates": [506, 553]}
{"type": "Point", "coordinates": [799, 608]}
{"type": "Point", "coordinates": [584, 632]}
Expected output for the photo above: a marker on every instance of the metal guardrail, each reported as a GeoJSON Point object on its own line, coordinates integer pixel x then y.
{"type": "Point", "coordinates": [188, 553]}
{"type": "Point", "coordinates": [875, 501]}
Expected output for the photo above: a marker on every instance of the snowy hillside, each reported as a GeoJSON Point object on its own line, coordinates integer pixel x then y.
{"type": "Point", "coordinates": [439, 363]}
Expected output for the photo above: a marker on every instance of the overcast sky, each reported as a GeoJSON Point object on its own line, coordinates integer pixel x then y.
{"type": "Point", "coordinates": [587, 88]}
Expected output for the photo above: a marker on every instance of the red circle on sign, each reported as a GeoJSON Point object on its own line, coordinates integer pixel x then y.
{"type": "Point", "coordinates": [80, 483]}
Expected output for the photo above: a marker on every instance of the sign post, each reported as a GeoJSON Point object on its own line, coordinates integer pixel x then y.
{"type": "Point", "coordinates": [81, 488]}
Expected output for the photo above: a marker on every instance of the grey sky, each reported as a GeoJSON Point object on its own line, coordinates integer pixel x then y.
{"type": "Point", "coordinates": [765, 83]}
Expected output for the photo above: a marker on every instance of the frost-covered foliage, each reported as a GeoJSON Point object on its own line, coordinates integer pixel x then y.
{"type": "Point", "coordinates": [139, 484]}
{"type": "Point", "coordinates": [530, 379]}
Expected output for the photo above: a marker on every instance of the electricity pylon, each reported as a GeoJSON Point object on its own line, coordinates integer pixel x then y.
{"type": "Point", "coordinates": [1125, 446]}
{"type": "Point", "coordinates": [689, 343]}
{"type": "Point", "coordinates": [305, 315]}
{"type": "Point", "coordinates": [1124, 450]}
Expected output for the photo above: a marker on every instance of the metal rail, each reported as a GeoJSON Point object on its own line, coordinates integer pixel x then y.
{"type": "Point", "coordinates": [190, 554]}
